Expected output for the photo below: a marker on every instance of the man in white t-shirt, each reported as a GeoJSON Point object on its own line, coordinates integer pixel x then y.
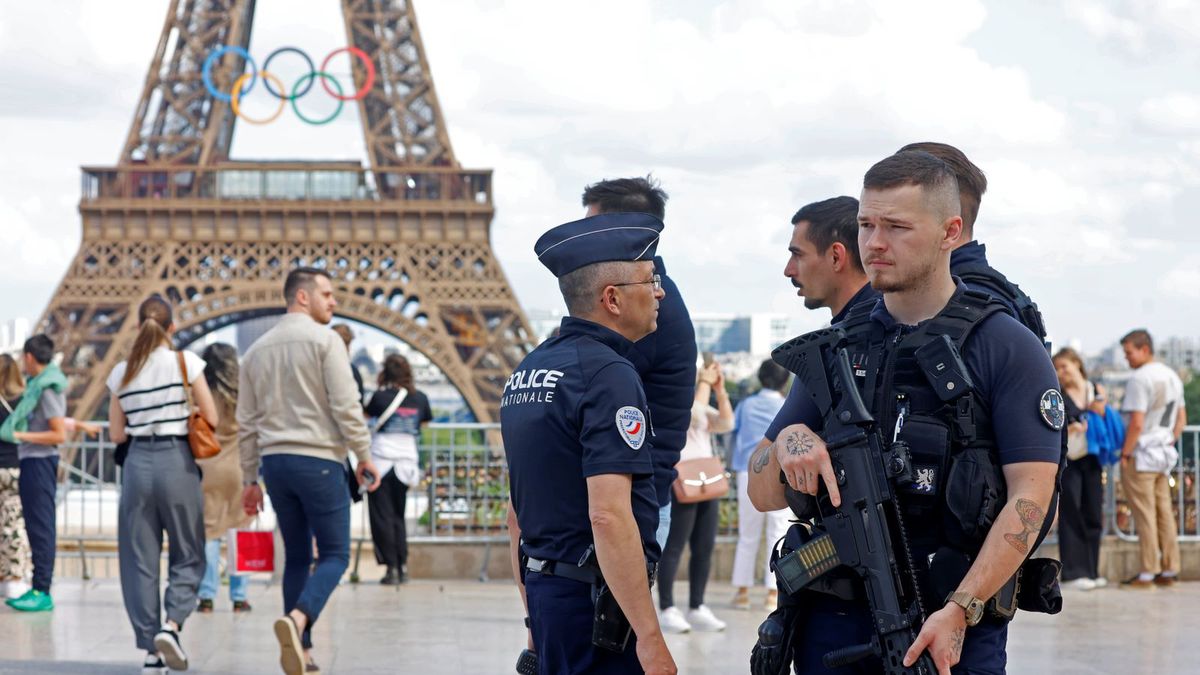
{"type": "Point", "coordinates": [1155, 417]}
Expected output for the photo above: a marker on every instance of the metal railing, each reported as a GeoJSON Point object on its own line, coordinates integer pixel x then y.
{"type": "Point", "coordinates": [1185, 497]}
{"type": "Point", "coordinates": [287, 181]}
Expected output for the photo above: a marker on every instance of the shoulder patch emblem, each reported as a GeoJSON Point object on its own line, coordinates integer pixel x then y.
{"type": "Point", "coordinates": [631, 424]}
{"type": "Point", "coordinates": [1054, 413]}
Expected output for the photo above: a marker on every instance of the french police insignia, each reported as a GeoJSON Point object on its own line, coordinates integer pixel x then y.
{"type": "Point", "coordinates": [631, 424]}
{"type": "Point", "coordinates": [1054, 413]}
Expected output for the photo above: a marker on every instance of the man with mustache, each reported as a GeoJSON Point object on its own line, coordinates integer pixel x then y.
{"type": "Point", "coordinates": [963, 551]}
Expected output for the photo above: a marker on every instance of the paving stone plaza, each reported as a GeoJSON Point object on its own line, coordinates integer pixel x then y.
{"type": "Point", "coordinates": [467, 627]}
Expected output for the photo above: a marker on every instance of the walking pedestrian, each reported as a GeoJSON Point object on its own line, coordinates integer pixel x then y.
{"type": "Point", "coordinates": [222, 483]}
{"type": "Point", "coordinates": [38, 424]}
{"type": "Point", "coordinates": [298, 413]}
{"type": "Point", "coordinates": [399, 412]}
{"type": "Point", "coordinates": [160, 483]}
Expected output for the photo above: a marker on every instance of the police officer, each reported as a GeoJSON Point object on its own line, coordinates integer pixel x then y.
{"type": "Point", "coordinates": [827, 271]}
{"type": "Point", "coordinates": [577, 438]}
{"type": "Point", "coordinates": [968, 260]}
{"type": "Point", "coordinates": [909, 222]}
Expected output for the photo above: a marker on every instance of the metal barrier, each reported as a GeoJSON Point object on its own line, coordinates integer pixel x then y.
{"type": "Point", "coordinates": [1118, 517]}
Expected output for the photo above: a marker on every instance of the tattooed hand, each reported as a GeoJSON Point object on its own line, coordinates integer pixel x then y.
{"type": "Point", "coordinates": [1031, 522]}
{"type": "Point", "coordinates": [805, 462]}
{"type": "Point", "coordinates": [942, 634]}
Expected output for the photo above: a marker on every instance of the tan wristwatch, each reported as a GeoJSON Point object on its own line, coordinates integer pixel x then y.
{"type": "Point", "coordinates": [972, 606]}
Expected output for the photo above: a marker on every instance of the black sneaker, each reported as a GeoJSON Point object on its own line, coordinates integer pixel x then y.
{"type": "Point", "coordinates": [241, 606]}
{"type": "Point", "coordinates": [153, 664]}
{"type": "Point", "coordinates": [172, 652]}
{"type": "Point", "coordinates": [404, 574]}
{"type": "Point", "coordinates": [311, 667]}
{"type": "Point", "coordinates": [205, 606]}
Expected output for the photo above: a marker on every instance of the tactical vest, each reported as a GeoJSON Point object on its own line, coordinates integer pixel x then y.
{"type": "Point", "coordinates": [958, 489]}
{"type": "Point", "coordinates": [997, 284]}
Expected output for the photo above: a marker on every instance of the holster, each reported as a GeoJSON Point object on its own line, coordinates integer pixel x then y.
{"type": "Point", "coordinates": [1039, 590]}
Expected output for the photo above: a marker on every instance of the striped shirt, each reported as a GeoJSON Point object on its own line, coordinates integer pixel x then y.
{"type": "Point", "coordinates": [154, 402]}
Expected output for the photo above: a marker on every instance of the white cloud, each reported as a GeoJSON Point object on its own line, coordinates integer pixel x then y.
{"type": "Point", "coordinates": [1138, 28]}
{"type": "Point", "coordinates": [1183, 279]}
{"type": "Point", "coordinates": [1173, 114]}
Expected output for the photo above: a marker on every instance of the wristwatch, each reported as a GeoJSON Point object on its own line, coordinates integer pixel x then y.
{"type": "Point", "coordinates": [972, 606]}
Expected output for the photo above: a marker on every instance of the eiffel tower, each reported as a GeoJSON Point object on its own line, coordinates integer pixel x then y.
{"type": "Point", "coordinates": [407, 240]}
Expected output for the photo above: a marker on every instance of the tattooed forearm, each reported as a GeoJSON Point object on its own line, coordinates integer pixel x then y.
{"type": "Point", "coordinates": [956, 641]}
{"type": "Point", "coordinates": [1031, 521]}
{"type": "Point", "coordinates": [761, 459]}
{"type": "Point", "coordinates": [798, 443]}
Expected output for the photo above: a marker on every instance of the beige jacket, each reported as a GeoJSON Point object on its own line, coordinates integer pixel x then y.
{"type": "Point", "coordinates": [296, 396]}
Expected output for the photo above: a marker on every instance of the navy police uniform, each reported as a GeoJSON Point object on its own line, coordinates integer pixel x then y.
{"type": "Point", "coordinates": [575, 408]}
{"type": "Point", "coordinates": [1017, 418]}
{"type": "Point", "coordinates": [969, 263]}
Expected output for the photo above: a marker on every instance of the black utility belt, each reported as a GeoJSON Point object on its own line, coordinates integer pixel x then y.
{"type": "Point", "coordinates": [152, 438]}
{"type": "Point", "coordinates": [574, 572]}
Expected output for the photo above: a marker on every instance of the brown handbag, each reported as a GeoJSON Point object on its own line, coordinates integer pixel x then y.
{"type": "Point", "coordinates": [700, 480]}
{"type": "Point", "coordinates": [202, 437]}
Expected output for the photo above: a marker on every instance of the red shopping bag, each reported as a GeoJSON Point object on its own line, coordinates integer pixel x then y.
{"type": "Point", "coordinates": [251, 551]}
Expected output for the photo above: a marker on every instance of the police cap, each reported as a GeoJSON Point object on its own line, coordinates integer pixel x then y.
{"type": "Point", "coordinates": [608, 237]}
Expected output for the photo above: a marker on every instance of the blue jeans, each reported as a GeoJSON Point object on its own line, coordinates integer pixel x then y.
{"type": "Point", "coordinates": [212, 575]}
{"type": "Point", "coordinates": [664, 526]}
{"type": "Point", "coordinates": [310, 499]}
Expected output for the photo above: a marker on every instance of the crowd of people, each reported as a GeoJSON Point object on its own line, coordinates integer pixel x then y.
{"type": "Point", "coordinates": [286, 415]}
{"type": "Point", "coordinates": [948, 355]}
{"type": "Point", "coordinates": [615, 467]}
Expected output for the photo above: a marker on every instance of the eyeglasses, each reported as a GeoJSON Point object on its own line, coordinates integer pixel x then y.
{"type": "Point", "coordinates": [656, 280]}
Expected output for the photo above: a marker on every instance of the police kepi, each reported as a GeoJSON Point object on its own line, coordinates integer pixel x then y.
{"type": "Point", "coordinates": [577, 436]}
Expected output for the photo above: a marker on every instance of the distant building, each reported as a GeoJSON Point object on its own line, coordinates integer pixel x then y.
{"type": "Point", "coordinates": [1180, 353]}
{"type": "Point", "coordinates": [756, 334]}
{"type": "Point", "coordinates": [13, 334]}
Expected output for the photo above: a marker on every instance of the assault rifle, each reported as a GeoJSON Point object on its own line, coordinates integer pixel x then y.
{"type": "Point", "coordinates": [866, 533]}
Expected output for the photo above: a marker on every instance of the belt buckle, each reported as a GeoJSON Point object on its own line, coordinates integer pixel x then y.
{"type": "Point", "coordinates": [535, 565]}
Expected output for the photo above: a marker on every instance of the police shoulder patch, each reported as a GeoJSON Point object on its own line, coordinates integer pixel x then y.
{"type": "Point", "coordinates": [631, 424]}
{"type": "Point", "coordinates": [1054, 412]}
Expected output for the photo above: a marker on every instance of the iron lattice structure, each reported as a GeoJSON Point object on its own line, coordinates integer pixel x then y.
{"type": "Point", "coordinates": [407, 240]}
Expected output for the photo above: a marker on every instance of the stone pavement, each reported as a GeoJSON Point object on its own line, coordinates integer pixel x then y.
{"type": "Point", "coordinates": [435, 627]}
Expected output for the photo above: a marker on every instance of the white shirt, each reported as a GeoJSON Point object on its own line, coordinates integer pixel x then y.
{"type": "Point", "coordinates": [1156, 391]}
{"type": "Point", "coordinates": [154, 401]}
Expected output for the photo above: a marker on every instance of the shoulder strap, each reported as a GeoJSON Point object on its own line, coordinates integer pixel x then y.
{"type": "Point", "coordinates": [962, 315]}
{"type": "Point", "coordinates": [7, 407]}
{"type": "Point", "coordinates": [187, 386]}
{"type": "Point", "coordinates": [401, 394]}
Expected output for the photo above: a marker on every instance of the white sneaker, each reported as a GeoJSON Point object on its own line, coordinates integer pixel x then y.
{"type": "Point", "coordinates": [671, 620]}
{"type": "Point", "coordinates": [702, 619]}
{"type": "Point", "coordinates": [1100, 582]}
{"type": "Point", "coordinates": [15, 589]}
{"type": "Point", "coordinates": [1080, 584]}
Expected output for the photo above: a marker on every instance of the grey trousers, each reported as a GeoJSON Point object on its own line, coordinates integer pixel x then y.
{"type": "Point", "coordinates": [160, 491]}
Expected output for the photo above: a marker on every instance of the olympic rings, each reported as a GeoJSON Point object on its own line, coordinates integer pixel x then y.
{"type": "Point", "coordinates": [206, 70]}
{"type": "Point", "coordinates": [240, 88]}
{"type": "Point", "coordinates": [234, 99]}
{"type": "Point", "coordinates": [312, 76]}
{"type": "Point", "coordinates": [267, 66]}
{"type": "Point", "coordinates": [362, 56]}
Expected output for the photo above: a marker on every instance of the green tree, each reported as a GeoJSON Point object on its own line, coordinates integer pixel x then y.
{"type": "Point", "coordinates": [1191, 397]}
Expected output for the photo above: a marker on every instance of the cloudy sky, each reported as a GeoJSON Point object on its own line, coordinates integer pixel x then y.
{"type": "Point", "coordinates": [1085, 115]}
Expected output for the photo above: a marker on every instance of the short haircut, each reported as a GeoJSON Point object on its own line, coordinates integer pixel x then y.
{"type": "Point", "coordinates": [772, 376]}
{"type": "Point", "coordinates": [1139, 338]}
{"type": "Point", "coordinates": [627, 195]}
{"type": "Point", "coordinates": [832, 220]}
{"type": "Point", "coordinates": [972, 184]}
{"type": "Point", "coordinates": [40, 347]}
{"type": "Point", "coordinates": [580, 287]}
{"type": "Point", "coordinates": [301, 277]}
{"type": "Point", "coordinates": [914, 167]}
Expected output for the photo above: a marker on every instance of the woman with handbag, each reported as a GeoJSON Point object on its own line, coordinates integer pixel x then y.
{"type": "Point", "coordinates": [695, 507]}
{"type": "Point", "coordinates": [160, 402]}
{"type": "Point", "coordinates": [397, 411]}
{"type": "Point", "coordinates": [222, 479]}
{"type": "Point", "coordinates": [1080, 508]}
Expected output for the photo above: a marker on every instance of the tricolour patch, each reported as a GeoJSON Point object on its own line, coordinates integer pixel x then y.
{"type": "Point", "coordinates": [1054, 413]}
{"type": "Point", "coordinates": [631, 423]}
